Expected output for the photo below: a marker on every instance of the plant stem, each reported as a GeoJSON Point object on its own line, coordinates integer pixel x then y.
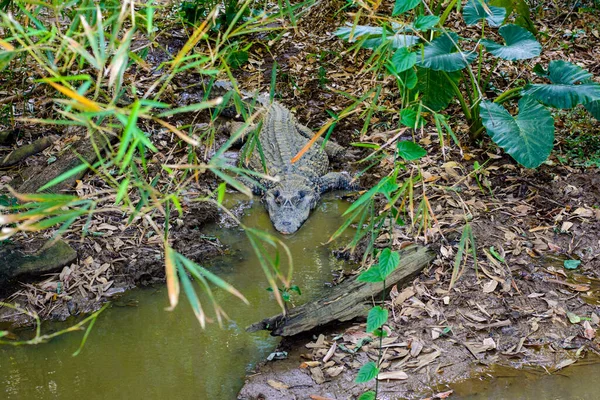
{"type": "Point", "coordinates": [461, 98]}
{"type": "Point", "coordinates": [509, 94]}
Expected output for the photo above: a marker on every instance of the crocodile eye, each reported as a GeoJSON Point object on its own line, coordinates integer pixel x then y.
{"type": "Point", "coordinates": [276, 193]}
{"type": "Point", "coordinates": [301, 194]}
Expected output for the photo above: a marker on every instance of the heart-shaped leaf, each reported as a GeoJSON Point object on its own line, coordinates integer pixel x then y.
{"type": "Point", "coordinates": [528, 138]}
{"type": "Point", "coordinates": [372, 275]}
{"type": "Point", "coordinates": [425, 22]}
{"type": "Point", "coordinates": [376, 318]}
{"type": "Point", "coordinates": [477, 10]}
{"type": "Point", "coordinates": [403, 59]}
{"type": "Point", "coordinates": [402, 6]}
{"type": "Point", "coordinates": [436, 89]}
{"type": "Point", "coordinates": [442, 54]}
{"type": "Point", "coordinates": [571, 85]}
{"type": "Point", "coordinates": [520, 44]}
{"type": "Point", "coordinates": [389, 260]}
{"type": "Point", "coordinates": [367, 372]}
{"type": "Point", "coordinates": [410, 151]}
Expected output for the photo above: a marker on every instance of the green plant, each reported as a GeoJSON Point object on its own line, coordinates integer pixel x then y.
{"type": "Point", "coordinates": [88, 66]}
{"type": "Point", "coordinates": [43, 338]}
{"type": "Point", "coordinates": [439, 71]}
{"type": "Point", "coordinates": [378, 315]}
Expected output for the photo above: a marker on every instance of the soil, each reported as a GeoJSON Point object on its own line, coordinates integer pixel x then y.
{"type": "Point", "coordinates": [516, 306]}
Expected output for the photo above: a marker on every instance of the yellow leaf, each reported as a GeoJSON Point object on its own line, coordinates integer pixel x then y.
{"type": "Point", "coordinates": [172, 281]}
{"type": "Point", "coordinates": [83, 101]}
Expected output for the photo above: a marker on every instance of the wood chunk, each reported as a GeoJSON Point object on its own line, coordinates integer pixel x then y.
{"type": "Point", "coordinates": [348, 300]}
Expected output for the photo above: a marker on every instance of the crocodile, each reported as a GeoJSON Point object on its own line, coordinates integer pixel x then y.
{"type": "Point", "coordinates": [298, 186]}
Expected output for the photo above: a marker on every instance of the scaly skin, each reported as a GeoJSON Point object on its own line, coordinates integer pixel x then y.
{"type": "Point", "coordinates": [301, 184]}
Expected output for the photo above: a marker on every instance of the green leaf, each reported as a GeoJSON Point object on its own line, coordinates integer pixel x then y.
{"type": "Point", "coordinates": [474, 12]}
{"type": "Point", "coordinates": [370, 395]}
{"type": "Point", "coordinates": [571, 264]}
{"type": "Point", "coordinates": [402, 6]}
{"type": "Point", "coordinates": [410, 151]}
{"type": "Point", "coordinates": [442, 54]}
{"type": "Point", "coordinates": [236, 59]}
{"type": "Point", "coordinates": [408, 117]}
{"type": "Point", "coordinates": [521, 8]}
{"type": "Point", "coordinates": [528, 138]}
{"type": "Point", "coordinates": [403, 59]}
{"type": "Point", "coordinates": [376, 318]}
{"type": "Point", "coordinates": [367, 372]}
{"type": "Point", "coordinates": [594, 108]}
{"type": "Point", "coordinates": [573, 318]}
{"type": "Point", "coordinates": [426, 22]}
{"type": "Point", "coordinates": [296, 289]}
{"type": "Point", "coordinates": [571, 85]}
{"type": "Point", "coordinates": [436, 87]}
{"type": "Point", "coordinates": [221, 192]}
{"type": "Point", "coordinates": [388, 260]}
{"type": "Point", "coordinates": [373, 275]}
{"type": "Point", "coordinates": [408, 79]}
{"type": "Point", "coordinates": [372, 37]}
{"type": "Point", "coordinates": [520, 44]}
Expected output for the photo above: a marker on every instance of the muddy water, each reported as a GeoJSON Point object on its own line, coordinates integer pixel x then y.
{"type": "Point", "coordinates": [137, 350]}
{"type": "Point", "coordinates": [578, 382]}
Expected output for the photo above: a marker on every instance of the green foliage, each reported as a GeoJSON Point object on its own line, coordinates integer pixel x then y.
{"type": "Point", "coordinates": [403, 59]}
{"type": "Point", "coordinates": [478, 10]}
{"type": "Point", "coordinates": [520, 44]}
{"type": "Point", "coordinates": [373, 275]}
{"type": "Point", "coordinates": [442, 54]}
{"type": "Point", "coordinates": [437, 88]}
{"type": "Point", "coordinates": [426, 22]}
{"type": "Point", "coordinates": [367, 372]}
{"type": "Point", "coordinates": [521, 9]}
{"type": "Point", "coordinates": [376, 318]}
{"type": "Point", "coordinates": [370, 37]}
{"type": "Point", "coordinates": [528, 138]}
{"type": "Point", "coordinates": [593, 108]}
{"type": "Point", "coordinates": [388, 261]}
{"type": "Point", "coordinates": [571, 85]}
{"type": "Point", "coordinates": [410, 151]}
{"type": "Point", "coordinates": [370, 395]}
{"type": "Point", "coordinates": [402, 6]}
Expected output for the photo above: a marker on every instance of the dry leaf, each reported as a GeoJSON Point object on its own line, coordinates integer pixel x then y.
{"type": "Point", "coordinates": [490, 286]}
{"type": "Point", "coordinates": [317, 375]}
{"type": "Point", "coordinates": [392, 375]}
{"type": "Point", "coordinates": [277, 385]}
{"type": "Point", "coordinates": [588, 331]}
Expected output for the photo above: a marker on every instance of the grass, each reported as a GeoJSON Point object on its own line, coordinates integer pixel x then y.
{"type": "Point", "coordinates": [88, 59]}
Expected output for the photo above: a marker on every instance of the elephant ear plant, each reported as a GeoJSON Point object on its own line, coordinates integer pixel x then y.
{"type": "Point", "coordinates": [433, 73]}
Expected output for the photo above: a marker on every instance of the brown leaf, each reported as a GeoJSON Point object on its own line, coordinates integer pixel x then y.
{"type": "Point", "coordinates": [317, 375]}
{"type": "Point", "coordinates": [277, 385]}
{"type": "Point", "coordinates": [588, 331]}
{"type": "Point", "coordinates": [392, 375]}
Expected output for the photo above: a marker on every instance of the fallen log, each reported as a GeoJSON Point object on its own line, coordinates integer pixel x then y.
{"type": "Point", "coordinates": [71, 158]}
{"type": "Point", "coordinates": [346, 301]}
{"type": "Point", "coordinates": [25, 151]}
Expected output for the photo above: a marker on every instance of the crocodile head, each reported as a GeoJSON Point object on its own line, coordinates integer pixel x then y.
{"type": "Point", "coordinates": [289, 205]}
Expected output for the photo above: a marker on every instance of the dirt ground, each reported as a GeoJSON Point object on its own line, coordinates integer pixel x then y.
{"type": "Point", "coordinates": [520, 307]}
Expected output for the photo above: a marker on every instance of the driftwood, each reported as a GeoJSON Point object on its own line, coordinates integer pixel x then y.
{"type": "Point", "coordinates": [348, 300]}
{"type": "Point", "coordinates": [28, 150]}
